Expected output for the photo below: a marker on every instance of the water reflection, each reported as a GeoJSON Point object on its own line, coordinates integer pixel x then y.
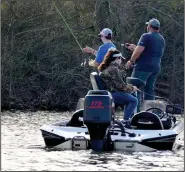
{"type": "Point", "coordinates": [23, 149]}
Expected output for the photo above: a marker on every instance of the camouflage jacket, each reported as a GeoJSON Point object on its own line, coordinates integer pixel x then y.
{"type": "Point", "coordinates": [113, 79]}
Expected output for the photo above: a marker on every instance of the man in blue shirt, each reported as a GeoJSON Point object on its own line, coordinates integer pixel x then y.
{"type": "Point", "coordinates": [147, 56]}
{"type": "Point", "coordinates": [106, 36]}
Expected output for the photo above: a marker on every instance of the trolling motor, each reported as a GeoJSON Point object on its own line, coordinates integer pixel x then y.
{"type": "Point", "coordinates": [98, 117]}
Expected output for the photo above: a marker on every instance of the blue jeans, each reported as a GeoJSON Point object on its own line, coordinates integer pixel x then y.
{"type": "Point", "coordinates": [126, 99]}
{"type": "Point", "coordinates": [150, 79]}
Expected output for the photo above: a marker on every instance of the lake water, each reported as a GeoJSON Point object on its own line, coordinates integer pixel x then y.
{"type": "Point", "coordinates": [22, 149]}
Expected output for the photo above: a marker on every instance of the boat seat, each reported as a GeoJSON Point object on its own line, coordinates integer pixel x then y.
{"type": "Point", "coordinates": [167, 123]}
{"type": "Point", "coordinates": [98, 84]}
{"type": "Point", "coordinates": [146, 120]}
{"type": "Point", "coordinates": [75, 122]}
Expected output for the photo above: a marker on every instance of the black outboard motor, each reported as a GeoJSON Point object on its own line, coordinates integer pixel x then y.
{"type": "Point", "coordinates": [98, 117]}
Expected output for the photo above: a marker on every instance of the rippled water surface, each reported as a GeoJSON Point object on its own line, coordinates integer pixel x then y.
{"type": "Point", "coordinates": [22, 148]}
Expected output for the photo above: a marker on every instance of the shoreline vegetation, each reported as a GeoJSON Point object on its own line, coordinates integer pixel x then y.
{"type": "Point", "coordinates": [41, 63]}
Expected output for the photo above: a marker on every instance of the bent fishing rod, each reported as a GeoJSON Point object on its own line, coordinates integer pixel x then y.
{"type": "Point", "coordinates": [58, 11]}
{"type": "Point", "coordinates": [66, 24]}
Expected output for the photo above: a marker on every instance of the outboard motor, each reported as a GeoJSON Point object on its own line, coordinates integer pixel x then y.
{"type": "Point", "coordinates": [98, 117]}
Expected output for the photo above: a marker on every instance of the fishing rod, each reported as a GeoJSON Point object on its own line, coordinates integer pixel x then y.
{"type": "Point", "coordinates": [66, 24]}
{"type": "Point", "coordinates": [83, 63]}
{"type": "Point", "coordinates": [122, 45]}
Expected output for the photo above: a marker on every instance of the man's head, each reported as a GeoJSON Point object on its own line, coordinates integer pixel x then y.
{"type": "Point", "coordinates": [153, 25]}
{"type": "Point", "coordinates": [105, 34]}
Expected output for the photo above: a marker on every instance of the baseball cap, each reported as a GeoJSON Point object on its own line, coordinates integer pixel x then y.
{"type": "Point", "coordinates": [153, 22]}
{"type": "Point", "coordinates": [106, 32]}
{"type": "Point", "coordinates": [116, 55]}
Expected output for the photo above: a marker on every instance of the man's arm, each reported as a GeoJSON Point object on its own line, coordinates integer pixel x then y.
{"type": "Point", "coordinates": [98, 59]}
{"type": "Point", "coordinates": [92, 63]}
{"type": "Point", "coordinates": [138, 50]}
{"type": "Point", "coordinates": [135, 55]}
{"type": "Point", "coordinates": [89, 50]}
{"type": "Point", "coordinates": [131, 47]}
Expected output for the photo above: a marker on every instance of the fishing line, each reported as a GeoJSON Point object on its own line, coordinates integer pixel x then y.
{"type": "Point", "coordinates": [122, 45]}
{"type": "Point", "coordinates": [84, 62]}
{"type": "Point", "coordinates": [67, 25]}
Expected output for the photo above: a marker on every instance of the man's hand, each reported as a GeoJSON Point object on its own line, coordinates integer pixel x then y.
{"type": "Point", "coordinates": [91, 62]}
{"type": "Point", "coordinates": [130, 46]}
{"type": "Point", "coordinates": [135, 89]}
{"type": "Point", "coordinates": [128, 64]}
{"type": "Point", "coordinates": [88, 50]}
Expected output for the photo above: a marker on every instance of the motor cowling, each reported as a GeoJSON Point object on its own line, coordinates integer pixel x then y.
{"type": "Point", "coordinates": [98, 117]}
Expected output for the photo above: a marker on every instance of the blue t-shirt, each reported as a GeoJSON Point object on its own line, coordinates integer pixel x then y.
{"type": "Point", "coordinates": [103, 49]}
{"type": "Point", "coordinates": [150, 58]}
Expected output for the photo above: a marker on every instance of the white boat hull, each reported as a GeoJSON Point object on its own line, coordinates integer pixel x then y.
{"type": "Point", "coordinates": [69, 138]}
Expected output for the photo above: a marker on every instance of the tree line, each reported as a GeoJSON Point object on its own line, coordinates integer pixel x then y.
{"type": "Point", "coordinates": [43, 67]}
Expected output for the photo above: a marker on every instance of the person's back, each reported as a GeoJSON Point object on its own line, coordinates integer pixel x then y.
{"type": "Point", "coordinates": [115, 80]}
{"type": "Point", "coordinates": [103, 49]}
{"type": "Point", "coordinates": [150, 59]}
{"type": "Point", "coordinates": [147, 57]}
{"type": "Point", "coordinates": [105, 36]}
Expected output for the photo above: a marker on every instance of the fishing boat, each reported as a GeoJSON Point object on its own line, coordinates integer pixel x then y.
{"type": "Point", "coordinates": [96, 127]}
